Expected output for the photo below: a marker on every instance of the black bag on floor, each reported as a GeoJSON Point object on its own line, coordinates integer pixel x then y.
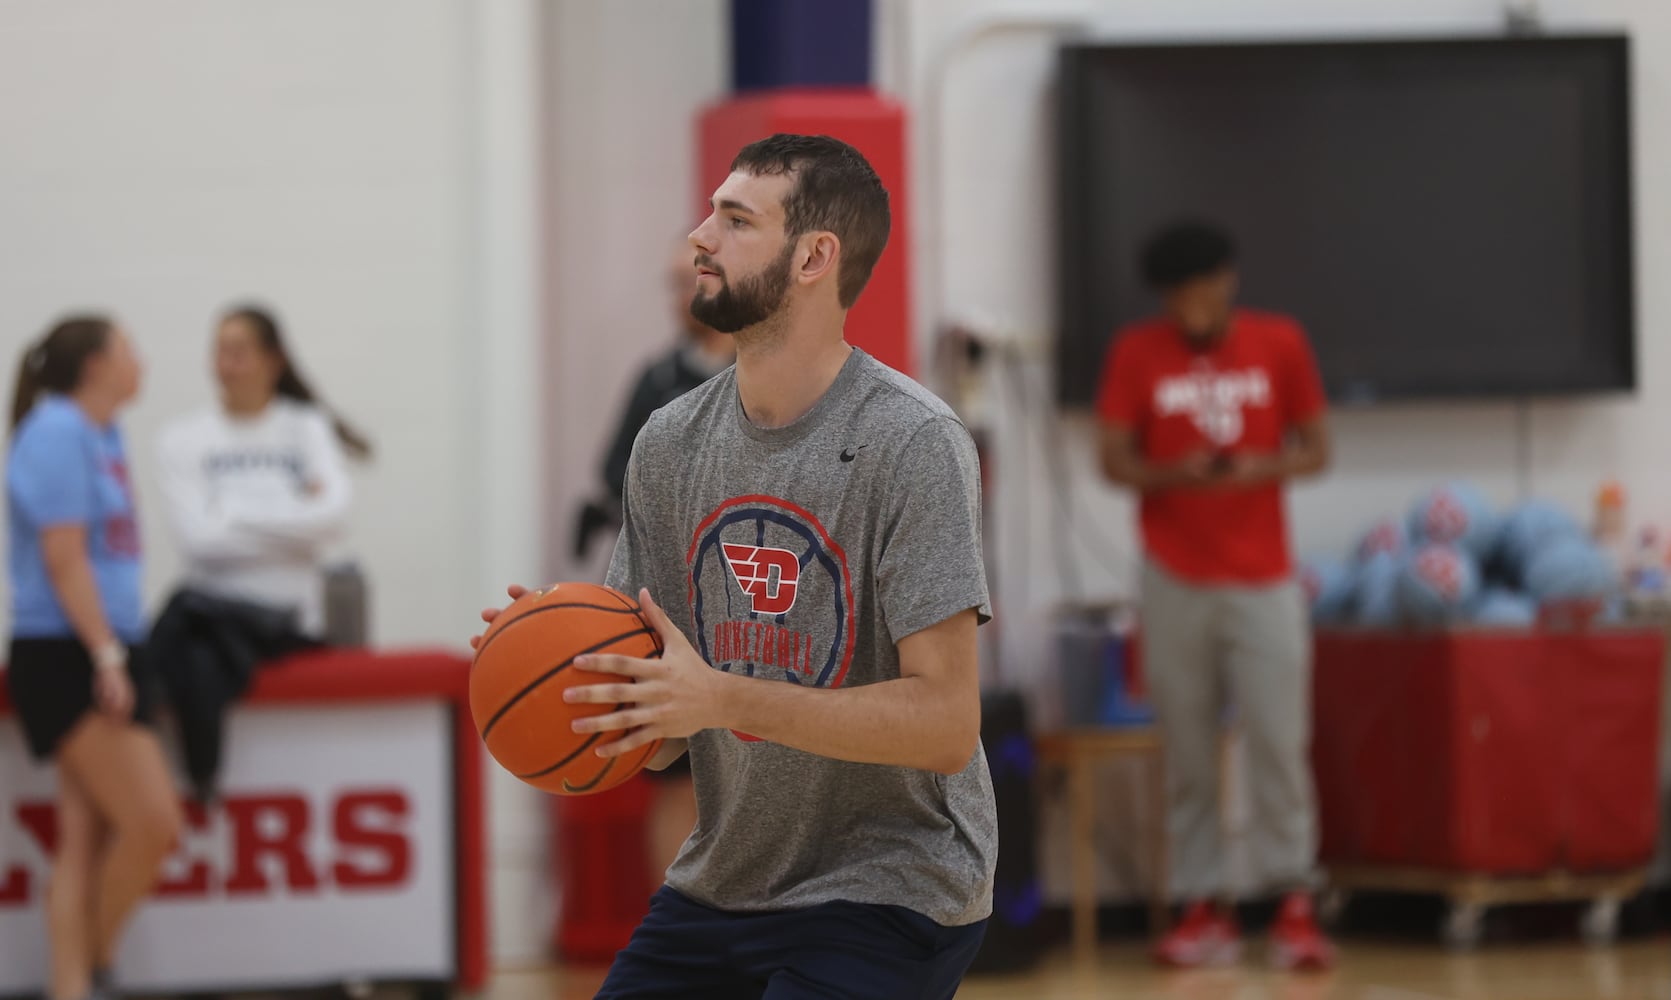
{"type": "Point", "coordinates": [1014, 938]}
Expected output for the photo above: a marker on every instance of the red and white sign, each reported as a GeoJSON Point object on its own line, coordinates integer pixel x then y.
{"type": "Point", "coordinates": [333, 855]}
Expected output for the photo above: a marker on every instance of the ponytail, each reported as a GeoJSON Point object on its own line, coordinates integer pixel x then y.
{"type": "Point", "coordinates": [291, 385]}
{"type": "Point", "coordinates": [28, 386]}
{"type": "Point", "coordinates": [55, 362]}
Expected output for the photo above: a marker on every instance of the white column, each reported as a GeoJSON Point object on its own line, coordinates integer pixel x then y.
{"type": "Point", "coordinates": [506, 344]}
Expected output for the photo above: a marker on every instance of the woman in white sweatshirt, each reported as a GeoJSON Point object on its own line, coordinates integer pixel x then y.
{"type": "Point", "coordinates": [257, 486]}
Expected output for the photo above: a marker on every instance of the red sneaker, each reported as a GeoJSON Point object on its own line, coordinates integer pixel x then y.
{"type": "Point", "coordinates": [1203, 937]}
{"type": "Point", "coordinates": [1296, 941]}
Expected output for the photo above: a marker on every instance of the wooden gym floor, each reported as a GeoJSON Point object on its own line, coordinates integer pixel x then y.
{"type": "Point", "coordinates": [1639, 969]}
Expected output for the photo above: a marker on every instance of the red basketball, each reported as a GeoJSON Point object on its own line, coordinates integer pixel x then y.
{"type": "Point", "coordinates": [524, 663]}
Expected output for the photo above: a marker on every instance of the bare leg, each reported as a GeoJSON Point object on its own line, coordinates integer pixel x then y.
{"type": "Point", "coordinates": [122, 769]}
{"type": "Point", "coordinates": [69, 920]}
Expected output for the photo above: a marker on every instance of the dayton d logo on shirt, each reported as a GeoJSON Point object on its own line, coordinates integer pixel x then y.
{"type": "Point", "coordinates": [770, 594]}
{"type": "Point", "coordinates": [769, 576]}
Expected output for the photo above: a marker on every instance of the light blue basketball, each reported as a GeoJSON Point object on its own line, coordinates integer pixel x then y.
{"type": "Point", "coordinates": [1376, 603]}
{"type": "Point", "coordinates": [1529, 527]}
{"type": "Point", "coordinates": [1329, 587]}
{"type": "Point", "coordinates": [1500, 607]}
{"type": "Point", "coordinates": [1386, 537]}
{"type": "Point", "coordinates": [1570, 568]}
{"type": "Point", "coordinates": [1437, 584]}
{"type": "Point", "coordinates": [1456, 514]}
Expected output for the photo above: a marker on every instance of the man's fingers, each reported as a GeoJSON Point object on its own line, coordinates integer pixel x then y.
{"type": "Point", "coordinates": [628, 743]}
{"type": "Point", "coordinates": [603, 694]}
{"type": "Point", "coordinates": [611, 721]}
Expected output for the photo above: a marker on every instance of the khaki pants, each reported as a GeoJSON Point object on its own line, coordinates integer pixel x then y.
{"type": "Point", "coordinates": [1206, 648]}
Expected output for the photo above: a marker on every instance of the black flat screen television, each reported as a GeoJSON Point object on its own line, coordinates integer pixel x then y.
{"type": "Point", "coordinates": [1447, 218]}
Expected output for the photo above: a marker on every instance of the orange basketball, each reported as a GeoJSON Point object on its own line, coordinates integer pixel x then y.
{"type": "Point", "coordinates": [523, 665]}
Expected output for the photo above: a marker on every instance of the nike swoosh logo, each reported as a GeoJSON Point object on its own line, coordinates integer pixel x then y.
{"type": "Point", "coordinates": [848, 455]}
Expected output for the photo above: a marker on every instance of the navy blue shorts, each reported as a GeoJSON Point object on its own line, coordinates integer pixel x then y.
{"type": "Point", "coordinates": [689, 951]}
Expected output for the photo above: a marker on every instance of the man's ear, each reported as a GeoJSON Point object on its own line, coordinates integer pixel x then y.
{"type": "Point", "coordinates": [817, 257]}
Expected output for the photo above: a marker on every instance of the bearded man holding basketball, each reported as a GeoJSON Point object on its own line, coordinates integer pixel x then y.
{"type": "Point", "coordinates": [804, 533]}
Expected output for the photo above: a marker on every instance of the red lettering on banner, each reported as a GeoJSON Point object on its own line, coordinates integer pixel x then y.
{"type": "Point", "coordinates": [194, 881]}
{"type": "Point", "coordinates": [41, 823]}
{"type": "Point", "coordinates": [40, 819]}
{"type": "Point", "coordinates": [369, 830]}
{"type": "Point", "coordinates": [288, 843]}
{"type": "Point", "coordinates": [14, 888]}
{"type": "Point", "coordinates": [351, 813]}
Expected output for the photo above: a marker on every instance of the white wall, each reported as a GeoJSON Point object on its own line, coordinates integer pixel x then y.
{"type": "Point", "coordinates": [974, 69]}
{"type": "Point", "coordinates": [463, 211]}
{"type": "Point", "coordinates": [626, 80]}
{"type": "Point", "coordinates": [163, 159]}
{"type": "Point", "coordinates": [371, 169]}
{"type": "Point", "coordinates": [621, 85]}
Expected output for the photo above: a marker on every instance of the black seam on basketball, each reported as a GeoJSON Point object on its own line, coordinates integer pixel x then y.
{"type": "Point", "coordinates": [541, 610]}
{"type": "Point", "coordinates": [566, 760]}
{"type": "Point", "coordinates": [553, 672]}
{"type": "Point", "coordinates": [588, 786]}
{"type": "Point", "coordinates": [655, 636]}
{"type": "Point", "coordinates": [638, 609]}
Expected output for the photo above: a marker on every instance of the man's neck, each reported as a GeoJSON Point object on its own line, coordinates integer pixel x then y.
{"type": "Point", "coordinates": [1201, 342]}
{"type": "Point", "coordinates": [783, 373]}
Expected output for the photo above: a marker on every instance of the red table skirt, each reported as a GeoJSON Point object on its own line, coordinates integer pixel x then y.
{"type": "Point", "coordinates": [1493, 752]}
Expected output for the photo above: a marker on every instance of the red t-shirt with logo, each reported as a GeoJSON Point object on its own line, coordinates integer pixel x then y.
{"type": "Point", "coordinates": [1239, 396]}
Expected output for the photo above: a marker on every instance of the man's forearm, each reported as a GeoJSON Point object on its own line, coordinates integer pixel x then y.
{"type": "Point", "coordinates": [671, 750]}
{"type": "Point", "coordinates": [1302, 461]}
{"type": "Point", "coordinates": [1137, 473]}
{"type": "Point", "coordinates": [1296, 461]}
{"type": "Point", "coordinates": [905, 722]}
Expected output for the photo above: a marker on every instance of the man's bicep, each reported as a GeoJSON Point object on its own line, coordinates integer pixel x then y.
{"type": "Point", "coordinates": [627, 565]}
{"type": "Point", "coordinates": [930, 565]}
{"type": "Point", "coordinates": [945, 653]}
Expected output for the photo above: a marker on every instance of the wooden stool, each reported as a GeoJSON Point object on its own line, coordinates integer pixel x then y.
{"type": "Point", "coordinates": [1078, 751]}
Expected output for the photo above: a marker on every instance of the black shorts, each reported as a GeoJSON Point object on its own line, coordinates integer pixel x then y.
{"type": "Point", "coordinates": [687, 951]}
{"type": "Point", "coordinates": [50, 682]}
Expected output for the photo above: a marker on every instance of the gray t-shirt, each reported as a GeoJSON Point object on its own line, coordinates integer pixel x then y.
{"type": "Point", "coordinates": [803, 555]}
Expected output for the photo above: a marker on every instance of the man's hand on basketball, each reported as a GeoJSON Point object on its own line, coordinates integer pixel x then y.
{"type": "Point", "coordinates": [671, 697]}
{"type": "Point", "coordinates": [516, 591]}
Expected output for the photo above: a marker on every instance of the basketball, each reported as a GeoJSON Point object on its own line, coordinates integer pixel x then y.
{"type": "Point", "coordinates": [1437, 584]}
{"type": "Point", "coordinates": [525, 662]}
{"type": "Point", "coordinates": [1456, 514]}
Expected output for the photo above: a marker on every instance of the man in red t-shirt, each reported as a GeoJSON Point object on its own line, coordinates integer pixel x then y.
{"type": "Point", "coordinates": [1206, 412]}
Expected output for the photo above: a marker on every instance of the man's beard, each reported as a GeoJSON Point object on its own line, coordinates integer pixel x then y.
{"type": "Point", "coordinates": [751, 301]}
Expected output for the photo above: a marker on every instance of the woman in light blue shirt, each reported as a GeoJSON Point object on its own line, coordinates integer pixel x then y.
{"type": "Point", "coordinates": [75, 672]}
